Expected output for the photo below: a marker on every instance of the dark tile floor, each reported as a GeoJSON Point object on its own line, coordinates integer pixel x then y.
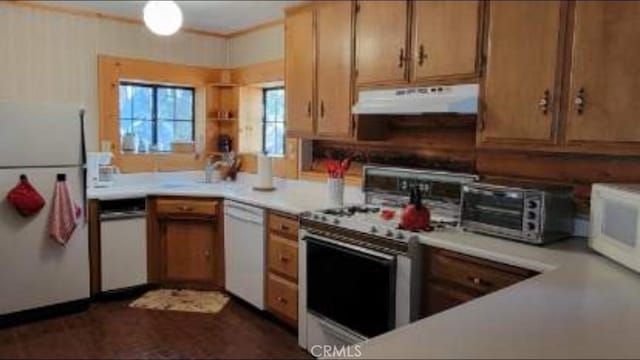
{"type": "Point", "coordinates": [113, 330]}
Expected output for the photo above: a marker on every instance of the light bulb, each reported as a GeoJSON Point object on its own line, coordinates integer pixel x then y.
{"type": "Point", "coordinates": [162, 17]}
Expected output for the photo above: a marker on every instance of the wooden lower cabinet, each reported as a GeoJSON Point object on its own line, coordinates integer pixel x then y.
{"type": "Point", "coordinates": [451, 279]}
{"type": "Point", "coordinates": [282, 267]}
{"type": "Point", "coordinates": [186, 245]}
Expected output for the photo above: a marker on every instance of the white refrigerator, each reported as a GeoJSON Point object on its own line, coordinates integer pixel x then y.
{"type": "Point", "coordinates": [41, 141]}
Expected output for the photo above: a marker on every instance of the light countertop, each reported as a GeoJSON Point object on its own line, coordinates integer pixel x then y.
{"type": "Point", "coordinates": [290, 196]}
{"type": "Point", "coordinates": [581, 306]}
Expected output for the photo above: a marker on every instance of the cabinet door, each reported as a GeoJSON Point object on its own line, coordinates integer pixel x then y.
{"type": "Point", "coordinates": [333, 62]}
{"type": "Point", "coordinates": [605, 72]}
{"type": "Point", "coordinates": [445, 39]}
{"type": "Point", "coordinates": [188, 250]}
{"type": "Point", "coordinates": [439, 298]}
{"type": "Point", "coordinates": [522, 60]}
{"type": "Point", "coordinates": [381, 42]}
{"type": "Point", "coordinates": [299, 69]}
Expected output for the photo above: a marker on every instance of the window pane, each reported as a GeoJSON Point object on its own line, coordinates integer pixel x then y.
{"type": "Point", "coordinates": [143, 131]}
{"type": "Point", "coordinates": [269, 139]}
{"type": "Point", "coordinates": [279, 139]}
{"type": "Point", "coordinates": [274, 121]}
{"type": "Point", "coordinates": [142, 100]}
{"type": "Point", "coordinates": [126, 94]}
{"type": "Point", "coordinates": [183, 131]}
{"type": "Point", "coordinates": [166, 103]}
{"type": "Point", "coordinates": [125, 127]}
{"type": "Point", "coordinates": [165, 135]}
{"type": "Point", "coordinates": [184, 104]}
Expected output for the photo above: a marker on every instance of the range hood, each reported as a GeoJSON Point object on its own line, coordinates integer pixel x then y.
{"type": "Point", "coordinates": [458, 99]}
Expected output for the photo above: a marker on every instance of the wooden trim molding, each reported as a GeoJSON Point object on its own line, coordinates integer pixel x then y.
{"type": "Point", "coordinates": [113, 69]}
{"type": "Point", "coordinates": [128, 20]}
{"type": "Point", "coordinates": [264, 72]}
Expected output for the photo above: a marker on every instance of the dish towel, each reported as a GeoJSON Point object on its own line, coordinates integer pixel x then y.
{"type": "Point", "coordinates": [64, 215]}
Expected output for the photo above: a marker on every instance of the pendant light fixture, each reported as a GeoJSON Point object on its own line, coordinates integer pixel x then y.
{"type": "Point", "coordinates": [162, 17]}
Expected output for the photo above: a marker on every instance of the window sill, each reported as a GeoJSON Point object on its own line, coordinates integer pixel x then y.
{"type": "Point", "coordinates": [160, 161]}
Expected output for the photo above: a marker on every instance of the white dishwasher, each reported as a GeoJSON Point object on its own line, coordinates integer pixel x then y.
{"type": "Point", "coordinates": [244, 251]}
{"type": "Point", "coordinates": [123, 244]}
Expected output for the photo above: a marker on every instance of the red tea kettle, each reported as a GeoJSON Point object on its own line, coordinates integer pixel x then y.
{"type": "Point", "coordinates": [415, 216]}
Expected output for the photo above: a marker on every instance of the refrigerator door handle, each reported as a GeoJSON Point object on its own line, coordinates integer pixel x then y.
{"type": "Point", "coordinates": [83, 167]}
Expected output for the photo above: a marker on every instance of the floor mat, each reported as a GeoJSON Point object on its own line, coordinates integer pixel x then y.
{"type": "Point", "coordinates": [182, 300]}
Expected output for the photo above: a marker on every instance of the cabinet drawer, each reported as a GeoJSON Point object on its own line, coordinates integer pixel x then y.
{"type": "Point", "coordinates": [187, 207]}
{"type": "Point", "coordinates": [473, 273]}
{"type": "Point", "coordinates": [282, 298]}
{"type": "Point", "coordinates": [283, 256]}
{"type": "Point", "coordinates": [285, 226]}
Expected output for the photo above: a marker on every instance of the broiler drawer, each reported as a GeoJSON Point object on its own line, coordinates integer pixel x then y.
{"type": "Point", "coordinates": [481, 275]}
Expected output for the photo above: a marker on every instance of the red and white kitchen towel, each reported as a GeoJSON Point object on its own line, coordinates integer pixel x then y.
{"type": "Point", "coordinates": [64, 215]}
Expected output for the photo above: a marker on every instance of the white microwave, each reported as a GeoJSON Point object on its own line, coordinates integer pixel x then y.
{"type": "Point", "coordinates": [615, 222]}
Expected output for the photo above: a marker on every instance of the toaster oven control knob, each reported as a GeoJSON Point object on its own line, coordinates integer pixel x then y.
{"type": "Point", "coordinates": [531, 226]}
{"type": "Point", "coordinates": [531, 215]}
{"type": "Point", "coordinates": [532, 204]}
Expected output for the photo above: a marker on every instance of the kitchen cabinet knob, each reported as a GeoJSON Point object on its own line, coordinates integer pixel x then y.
{"type": "Point", "coordinates": [401, 58]}
{"type": "Point", "coordinates": [281, 299]}
{"type": "Point", "coordinates": [543, 104]}
{"type": "Point", "coordinates": [478, 281]}
{"type": "Point", "coordinates": [322, 108]}
{"type": "Point", "coordinates": [283, 258]}
{"type": "Point", "coordinates": [579, 101]}
{"type": "Point", "coordinates": [185, 208]}
{"type": "Point", "coordinates": [207, 254]}
{"type": "Point", "coordinates": [284, 228]}
{"type": "Point", "coordinates": [422, 56]}
{"type": "Point", "coordinates": [309, 108]}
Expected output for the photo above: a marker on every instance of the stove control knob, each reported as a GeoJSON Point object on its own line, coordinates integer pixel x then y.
{"type": "Point", "coordinates": [324, 218]}
{"type": "Point", "coordinates": [374, 229]}
{"type": "Point", "coordinates": [336, 221]}
{"type": "Point", "coordinates": [399, 236]}
{"type": "Point", "coordinates": [389, 233]}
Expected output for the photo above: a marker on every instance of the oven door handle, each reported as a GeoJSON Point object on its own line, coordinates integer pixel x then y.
{"type": "Point", "coordinates": [360, 249]}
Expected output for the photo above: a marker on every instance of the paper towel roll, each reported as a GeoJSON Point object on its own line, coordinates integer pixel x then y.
{"type": "Point", "coordinates": [265, 175]}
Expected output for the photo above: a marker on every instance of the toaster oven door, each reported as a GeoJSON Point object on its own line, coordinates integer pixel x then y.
{"type": "Point", "coordinates": [495, 210]}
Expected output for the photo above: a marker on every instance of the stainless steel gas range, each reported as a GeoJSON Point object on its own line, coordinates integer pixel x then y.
{"type": "Point", "coordinates": [359, 273]}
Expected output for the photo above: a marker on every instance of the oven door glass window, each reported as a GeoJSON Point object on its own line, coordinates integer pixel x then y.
{"type": "Point", "coordinates": [352, 288]}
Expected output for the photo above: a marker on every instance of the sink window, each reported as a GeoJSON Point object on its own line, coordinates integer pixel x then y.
{"type": "Point", "coordinates": [152, 116]}
{"type": "Point", "coordinates": [273, 134]}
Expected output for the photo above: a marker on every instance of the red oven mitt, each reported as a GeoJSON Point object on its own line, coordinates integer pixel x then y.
{"type": "Point", "coordinates": [25, 198]}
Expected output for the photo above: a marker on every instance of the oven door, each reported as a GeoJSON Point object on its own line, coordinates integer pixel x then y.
{"type": "Point", "coordinates": [351, 286]}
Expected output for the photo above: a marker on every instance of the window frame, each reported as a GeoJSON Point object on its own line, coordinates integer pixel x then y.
{"type": "Point", "coordinates": [264, 121]}
{"type": "Point", "coordinates": [154, 106]}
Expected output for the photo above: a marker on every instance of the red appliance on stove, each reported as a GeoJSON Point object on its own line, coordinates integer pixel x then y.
{"type": "Point", "coordinates": [415, 215]}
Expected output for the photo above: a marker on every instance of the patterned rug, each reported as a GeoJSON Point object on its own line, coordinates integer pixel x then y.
{"type": "Point", "coordinates": [182, 300]}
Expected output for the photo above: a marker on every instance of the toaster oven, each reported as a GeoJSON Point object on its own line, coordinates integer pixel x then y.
{"type": "Point", "coordinates": [521, 212]}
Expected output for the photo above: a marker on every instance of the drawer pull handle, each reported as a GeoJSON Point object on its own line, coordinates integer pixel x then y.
{"type": "Point", "coordinates": [207, 254]}
{"type": "Point", "coordinates": [283, 258]}
{"type": "Point", "coordinates": [284, 227]}
{"type": "Point", "coordinates": [185, 208]}
{"type": "Point", "coordinates": [281, 299]}
{"type": "Point", "coordinates": [478, 281]}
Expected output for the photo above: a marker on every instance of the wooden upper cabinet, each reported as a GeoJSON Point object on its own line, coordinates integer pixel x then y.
{"type": "Point", "coordinates": [605, 73]}
{"type": "Point", "coordinates": [381, 42]}
{"type": "Point", "coordinates": [445, 41]}
{"type": "Point", "coordinates": [299, 72]}
{"type": "Point", "coordinates": [520, 100]}
{"type": "Point", "coordinates": [334, 62]}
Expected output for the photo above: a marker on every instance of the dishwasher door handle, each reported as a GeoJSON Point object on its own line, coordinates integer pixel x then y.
{"type": "Point", "coordinates": [111, 216]}
{"type": "Point", "coordinates": [243, 219]}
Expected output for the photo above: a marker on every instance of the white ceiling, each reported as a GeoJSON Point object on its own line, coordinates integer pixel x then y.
{"type": "Point", "coordinates": [214, 15]}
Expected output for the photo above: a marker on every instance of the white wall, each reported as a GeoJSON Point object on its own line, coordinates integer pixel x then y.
{"type": "Point", "coordinates": [52, 57]}
{"type": "Point", "coordinates": [258, 46]}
